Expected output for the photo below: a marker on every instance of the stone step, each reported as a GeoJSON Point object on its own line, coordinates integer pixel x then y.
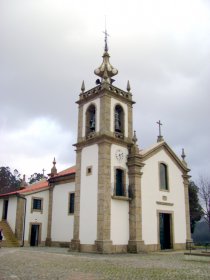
{"type": "Point", "coordinates": [9, 238]}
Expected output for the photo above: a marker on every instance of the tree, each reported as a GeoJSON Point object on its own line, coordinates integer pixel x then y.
{"type": "Point", "coordinates": [204, 192]}
{"type": "Point", "coordinates": [36, 177]}
{"type": "Point", "coordinates": [9, 181]}
{"type": "Point", "coordinates": [196, 211]}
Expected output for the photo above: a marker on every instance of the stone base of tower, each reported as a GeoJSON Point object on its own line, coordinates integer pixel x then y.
{"type": "Point", "coordinates": [74, 245]}
{"type": "Point", "coordinates": [48, 242]}
{"type": "Point", "coordinates": [136, 246]}
{"type": "Point", "coordinates": [104, 246]}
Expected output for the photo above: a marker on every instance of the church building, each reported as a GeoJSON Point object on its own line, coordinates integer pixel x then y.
{"type": "Point", "coordinates": [118, 197]}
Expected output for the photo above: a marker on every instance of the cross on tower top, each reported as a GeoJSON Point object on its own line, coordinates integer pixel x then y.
{"type": "Point", "coordinates": [160, 137]}
{"type": "Point", "coordinates": [106, 44]}
{"type": "Point", "coordinates": [106, 35]}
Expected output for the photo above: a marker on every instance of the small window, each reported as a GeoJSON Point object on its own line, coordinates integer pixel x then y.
{"type": "Point", "coordinates": [119, 187]}
{"type": "Point", "coordinates": [89, 170]}
{"type": "Point", "coordinates": [71, 203]}
{"type": "Point", "coordinates": [37, 204]}
{"type": "Point", "coordinates": [163, 177]}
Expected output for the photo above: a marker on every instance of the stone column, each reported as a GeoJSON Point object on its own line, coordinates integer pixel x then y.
{"type": "Point", "coordinates": [135, 164]}
{"type": "Point", "coordinates": [187, 207]}
{"type": "Point", "coordinates": [103, 242]}
{"type": "Point", "coordinates": [49, 224]}
{"type": "Point", "coordinates": [75, 242]}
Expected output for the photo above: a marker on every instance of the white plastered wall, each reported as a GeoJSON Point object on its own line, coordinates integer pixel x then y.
{"type": "Point", "coordinates": [151, 194]}
{"type": "Point", "coordinates": [37, 217]}
{"type": "Point", "coordinates": [62, 221]}
{"type": "Point", "coordinates": [119, 222]}
{"type": "Point", "coordinates": [115, 102]}
{"type": "Point", "coordinates": [11, 214]}
{"type": "Point", "coordinates": [119, 208]}
{"type": "Point", "coordinates": [88, 195]}
{"type": "Point", "coordinates": [95, 102]}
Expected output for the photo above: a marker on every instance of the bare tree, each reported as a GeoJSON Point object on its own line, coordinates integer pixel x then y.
{"type": "Point", "coordinates": [204, 192]}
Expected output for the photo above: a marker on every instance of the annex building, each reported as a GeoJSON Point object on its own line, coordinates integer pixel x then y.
{"type": "Point", "coordinates": [118, 197]}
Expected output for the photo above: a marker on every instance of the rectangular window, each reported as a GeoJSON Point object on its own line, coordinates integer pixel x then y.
{"type": "Point", "coordinates": [37, 204]}
{"type": "Point", "coordinates": [71, 203]}
{"type": "Point", "coordinates": [119, 188]}
{"type": "Point", "coordinates": [163, 177]}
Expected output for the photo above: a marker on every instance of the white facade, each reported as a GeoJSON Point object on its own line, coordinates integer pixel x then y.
{"type": "Point", "coordinates": [62, 221]}
{"type": "Point", "coordinates": [119, 222]}
{"type": "Point", "coordinates": [11, 214]}
{"type": "Point", "coordinates": [37, 217]}
{"type": "Point", "coordinates": [88, 195]}
{"type": "Point", "coordinates": [155, 200]}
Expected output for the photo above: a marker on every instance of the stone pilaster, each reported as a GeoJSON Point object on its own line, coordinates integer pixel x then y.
{"type": "Point", "coordinates": [135, 164]}
{"type": "Point", "coordinates": [20, 218]}
{"type": "Point", "coordinates": [130, 122]}
{"type": "Point", "coordinates": [103, 242]}
{"type": "Point", "coordinates": [105, 113]}
{"type": "Point", "coordinates": [49, 224]}
{"type": "Point", "coordinates": [75, 242]}
{"type": "Point", "coordinates": [80, 123]}
{"type": "Point", "coordinates": [187, 208]}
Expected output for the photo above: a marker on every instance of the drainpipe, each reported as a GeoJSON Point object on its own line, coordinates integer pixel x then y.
{"type": "Point", "coordinates": [24, 219]}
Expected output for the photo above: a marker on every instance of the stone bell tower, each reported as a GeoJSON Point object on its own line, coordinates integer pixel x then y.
{"type": "Point", "coordinates": [104, 139]}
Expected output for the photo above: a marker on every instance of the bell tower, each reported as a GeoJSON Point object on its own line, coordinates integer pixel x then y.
{"type": "Point", "coordinates": [105, 132]}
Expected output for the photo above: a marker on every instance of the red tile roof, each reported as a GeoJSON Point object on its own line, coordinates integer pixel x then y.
{"type": "Point", "coordinates": [41, 184]}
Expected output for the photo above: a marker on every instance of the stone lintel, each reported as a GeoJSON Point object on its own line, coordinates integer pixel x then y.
{"type": "Point", "coordinates": [136, 246]}
{"type": "Point", "coordinates": [104, 246]}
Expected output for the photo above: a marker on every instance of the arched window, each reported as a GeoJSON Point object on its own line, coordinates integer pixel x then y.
{"type": "Point", "coordinates": [163, 176]}
{"type": "Point", "coordinates": [90, 119]}
{"type": "Point", "coordinates": [118, 119]}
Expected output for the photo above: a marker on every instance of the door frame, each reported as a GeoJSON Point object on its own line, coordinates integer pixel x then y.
{"type": "Point", "coordinates": [171, 228]}
{"type": "Point", "coordinates": [40, 232]}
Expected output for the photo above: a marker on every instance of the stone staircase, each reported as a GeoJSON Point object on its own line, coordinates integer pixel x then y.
{"type": "Point", "coordinates": [9, 238]}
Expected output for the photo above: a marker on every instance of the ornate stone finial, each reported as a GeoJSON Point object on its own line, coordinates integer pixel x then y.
{"type": "Point", "coordinates": [23, 183]}
{"type": "Point", "coordinates": [128, 86]}
{"type": "Point", "coordinates": [105, 71]}
{"type": "Point", "coordinates": [53, 169]}
{"type": "Point", "coordinates": [183, 156]}
{"type": "Point", "coordinates": [134, 148]}
{"type": "Point", "coordinates": [83, 86]}
{"type": "Point", "coordinates": [160, 137]}
{"type": "Point", "coordinates": [134, 139]}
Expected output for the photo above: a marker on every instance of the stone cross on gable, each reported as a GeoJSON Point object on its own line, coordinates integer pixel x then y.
{"type": "Point", "coordinates": [43, 170]}
{"type": "Point", "coordinates": [160, 137]}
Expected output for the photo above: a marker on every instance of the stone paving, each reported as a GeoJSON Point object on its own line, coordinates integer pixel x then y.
{"type": "Point", "coordinates": [59, 264]}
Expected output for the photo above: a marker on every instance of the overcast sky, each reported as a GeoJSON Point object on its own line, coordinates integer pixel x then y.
{"type": "Point", "coordinates": [47, 47]}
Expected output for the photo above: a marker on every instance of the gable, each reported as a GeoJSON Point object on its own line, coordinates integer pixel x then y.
{"type": "Point", "coordinates": [160, 149]}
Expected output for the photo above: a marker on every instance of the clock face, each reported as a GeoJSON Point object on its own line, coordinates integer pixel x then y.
{"type": "Point", "coordinates": [119, 155]}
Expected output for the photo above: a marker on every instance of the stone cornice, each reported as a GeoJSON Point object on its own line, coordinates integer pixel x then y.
{"type": "Point", "coordinates": [62, 179]}
{"type": "Point", "coordinates": [98, 138]}
{"type": "Point", "coordinates": [103, 89]}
